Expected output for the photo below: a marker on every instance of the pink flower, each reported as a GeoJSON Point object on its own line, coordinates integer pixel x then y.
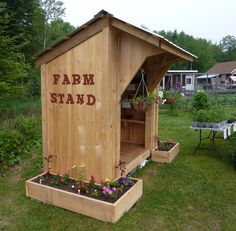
{"type": "Point", "coordinates": [114, 189]}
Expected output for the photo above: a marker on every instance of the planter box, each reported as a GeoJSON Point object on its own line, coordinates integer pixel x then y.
{"type": "Point", "coordinates": [101, 210]}
{"type": "Point", "coordinates": [170, 101]}
{"type": "Point", "coordinates": [165, 156]}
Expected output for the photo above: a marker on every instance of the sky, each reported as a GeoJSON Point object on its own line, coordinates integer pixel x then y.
{"type": "Point", "coordinates": [209, 19]}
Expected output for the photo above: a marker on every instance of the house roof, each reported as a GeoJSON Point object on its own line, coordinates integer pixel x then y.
{"type": "Point", "coordinates": [160, 41]}
{"type": "Point", "coordinates": [223, 68]}
{"type": "Point", "coordinates": [207, 76]}
{"type": "Point", "coordinates": [182, 71]}
{"type": "Point", "coordinates": [233, 78]}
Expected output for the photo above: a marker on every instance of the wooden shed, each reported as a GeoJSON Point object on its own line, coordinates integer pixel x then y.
{"type": "Point", "coordinates": [84, 77]}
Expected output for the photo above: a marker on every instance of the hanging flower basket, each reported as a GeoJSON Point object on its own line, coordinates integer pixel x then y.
{"type": "Point", "coordinates": [144, 103]}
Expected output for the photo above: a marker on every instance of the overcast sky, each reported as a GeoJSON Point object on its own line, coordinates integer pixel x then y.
{"type": "Point", "coordinates": [210, 19]}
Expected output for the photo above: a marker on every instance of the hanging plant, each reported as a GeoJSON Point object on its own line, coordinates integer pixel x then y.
{"type": "Point", "coordinates": [144, 103]}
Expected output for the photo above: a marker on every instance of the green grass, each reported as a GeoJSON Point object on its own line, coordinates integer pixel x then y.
{"type": "Point", "coordinates": [21, 106]}
{"type": "Point", "coordinates": [194, 192]}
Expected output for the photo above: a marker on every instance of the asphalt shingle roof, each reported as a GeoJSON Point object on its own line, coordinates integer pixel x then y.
{"type": "Point", "coordinates": [225, 67]}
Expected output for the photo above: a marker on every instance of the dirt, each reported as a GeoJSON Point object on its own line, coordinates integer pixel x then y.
{"type": "Point", "coordinates": [165, 146]}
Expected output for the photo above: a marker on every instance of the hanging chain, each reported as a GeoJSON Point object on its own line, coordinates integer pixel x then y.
{"type": "Point", "coordinates": [142, 81]}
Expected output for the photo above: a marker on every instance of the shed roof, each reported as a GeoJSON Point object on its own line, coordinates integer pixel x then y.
{"type": "Point", "coordinates": [156, 40]}
{"type": "Point", "coordinates": [223, 68]}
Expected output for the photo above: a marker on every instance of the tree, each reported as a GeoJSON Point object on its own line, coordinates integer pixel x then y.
{"type": "Point", "coordinates": [228, 47]}
{"type": "Point", "coordinates": [52, 11]}
{"type": "Point", "coordinates": [58, 29]}
{"type": "Point", "coordinates": [20, 19]}
{"type": "Point", "coordinates": [208, 53]}
{"type": "Point", "coordinates": [13, 69]}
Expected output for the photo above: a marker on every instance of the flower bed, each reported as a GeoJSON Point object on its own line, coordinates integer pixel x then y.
{"type": "Point", "coordinates": [165, 152]}
{"type": "Point", "coordinates": [106, 202]}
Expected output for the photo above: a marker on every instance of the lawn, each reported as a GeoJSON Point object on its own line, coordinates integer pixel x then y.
{"type": "Point", "coordinates": [194, 192]}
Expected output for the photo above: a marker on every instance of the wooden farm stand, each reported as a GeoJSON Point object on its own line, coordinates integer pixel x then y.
{"type": "Point", "coordinates": [84, 78]}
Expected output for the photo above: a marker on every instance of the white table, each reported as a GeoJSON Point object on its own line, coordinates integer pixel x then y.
{"type": "Point", "coordinates": [227, 130]}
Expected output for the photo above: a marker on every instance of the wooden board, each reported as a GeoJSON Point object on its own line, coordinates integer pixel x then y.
{"type": "Point", "coordinates": [84, 205]}
{"type": "Point", "coordinates": [133, 155]}
{"type": "Point", "coordinates": [165, 156]}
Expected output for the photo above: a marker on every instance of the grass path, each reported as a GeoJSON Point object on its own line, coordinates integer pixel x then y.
{"type": "Point", "coordinates": [195, 192]}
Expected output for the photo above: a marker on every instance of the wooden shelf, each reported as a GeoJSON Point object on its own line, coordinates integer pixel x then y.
{"type": "Point", "coordinates": [133, 121]}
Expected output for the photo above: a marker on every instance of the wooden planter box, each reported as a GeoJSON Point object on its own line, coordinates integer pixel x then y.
{"type": "Point", "coordinates": [165, 156]}
{"type": "Point", "coordinates": [101, 210]}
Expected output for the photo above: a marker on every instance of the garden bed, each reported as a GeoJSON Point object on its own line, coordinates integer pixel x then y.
{"type": "Point", "coordinates": [102, 207]}
{"type": "Point", "coordinates": [165, 153]}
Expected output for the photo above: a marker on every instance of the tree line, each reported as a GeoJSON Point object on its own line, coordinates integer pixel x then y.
{"type": "Point", "coordinates": [28, 26]}
{"type": "Point", "coordinates": [207, 52]}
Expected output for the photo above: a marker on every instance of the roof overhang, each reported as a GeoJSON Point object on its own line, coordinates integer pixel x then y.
{"type": "Point", "coordinates": [98, 23]}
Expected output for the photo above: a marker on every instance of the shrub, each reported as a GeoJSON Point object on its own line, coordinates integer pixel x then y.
{"type": "Point", "coordinates": [10, 147]}
{"type": "Point", "coordinates": [28, 127]}
{"type": "Point", "coordinates": [200, 101]}
{"type": "Point", "coordinates": [200, 116]}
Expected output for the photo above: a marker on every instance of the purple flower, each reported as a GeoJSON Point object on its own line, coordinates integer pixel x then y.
{"type": "Point", "coordinates": [122, 180]}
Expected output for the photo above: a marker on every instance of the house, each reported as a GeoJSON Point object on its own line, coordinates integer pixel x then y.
{"type": "Point", "coordinates": [219, 76]}
{"type": "Point", "coordinates": [179, 80]}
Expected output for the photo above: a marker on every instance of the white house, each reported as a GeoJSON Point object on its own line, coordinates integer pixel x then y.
{"type": "Point", "coordinates": [179, 80]}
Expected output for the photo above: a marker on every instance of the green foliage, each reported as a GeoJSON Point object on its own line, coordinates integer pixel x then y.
{"type": "Point", "coordinates": [233, 146]}
{"type": "Point", "coordinates": [13, 69]}
{"type": "Point", "coordinates": [58, 29]}
{"type": "Point", "coordinates": [28, 127]}
{"type": "Point", "coordinates": [213, 115]}
{"type": "Point", "coordinates": [200, 101]}
{"type": "Point", "coordinates": [228, 46]}
{"type": "Point", "coordinates": [10, 147]}
{"type": "Point", "coordinates": [199, 116]}
{"type": "Point", "coordinates": [33, 85]}
{"type": "Point", "coordinates": [12, 108]}
{"type": "Point", "coordinates": [17, 138]}
{"type": "Point", "coordinates": [172, 94]}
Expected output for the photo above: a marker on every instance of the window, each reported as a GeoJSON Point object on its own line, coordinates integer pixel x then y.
{"type": "Point", "coordinates": [183, 79]}
{"type": "Point", "coordinates": [189, 81]}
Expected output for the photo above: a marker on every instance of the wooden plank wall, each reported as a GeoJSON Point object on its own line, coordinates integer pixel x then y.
{"type": "Point", "coordinates": [81, 135]}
